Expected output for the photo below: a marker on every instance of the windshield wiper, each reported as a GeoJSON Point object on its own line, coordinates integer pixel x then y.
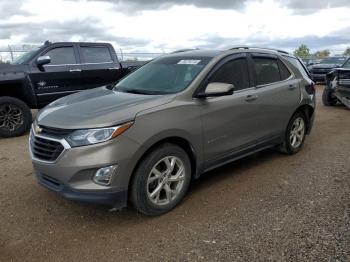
{"type": "Point", "coordinates": [135, 91]}
{"type": "Point", "coordinates": [140, 91]}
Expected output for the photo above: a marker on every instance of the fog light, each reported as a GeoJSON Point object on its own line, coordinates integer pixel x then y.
{"type": "Point", "coordinates": [104, 175]}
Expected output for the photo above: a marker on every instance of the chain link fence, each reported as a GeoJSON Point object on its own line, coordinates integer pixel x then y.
{"type": "Point", "coordinates": [9, 53]}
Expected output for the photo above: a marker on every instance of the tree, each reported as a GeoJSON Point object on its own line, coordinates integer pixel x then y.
{"type": "Point", "coordinates": [347, 52]}
{"type": "Point", "coordinates": [322, 54]}
{"type": "Point", "coordinates": [302, 51]}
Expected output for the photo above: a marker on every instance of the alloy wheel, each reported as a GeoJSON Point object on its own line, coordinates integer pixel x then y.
{"type": "Point", "coordinates": [297, 132]}
{"type": "Point", "coordinates": [166, 180]}
{"type": "Point", "coordinates": [11, 117]}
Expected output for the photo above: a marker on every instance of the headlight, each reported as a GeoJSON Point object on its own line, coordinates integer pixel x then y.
{"type": "Point", "coordinates": [94, 136]}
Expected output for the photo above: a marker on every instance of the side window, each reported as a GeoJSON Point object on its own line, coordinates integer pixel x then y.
{"type": "Point", "coordinates": [62, 56]}
{"type": "Point", "coordinates": [266, 70]}
{"type": "Point", "coordinates": [299, 66]}
{"type": "Point", "coordinates": [95, 54]}
{"type": "Point", "coordinates": [233, 72]}
{"type": "Point", "coordinates": [285, 74]}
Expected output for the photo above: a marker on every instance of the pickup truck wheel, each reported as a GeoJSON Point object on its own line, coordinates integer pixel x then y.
{"type": "Point", "coordinates": [161, 180]}
{"type": "Point", "coordinates": [327, 97]}
{"type": "Point", "coordinates": [295, 134]}
{"type": "Point", "coordinates": [15, 117]}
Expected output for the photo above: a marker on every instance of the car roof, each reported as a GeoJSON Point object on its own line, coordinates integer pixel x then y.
{"type": "Point", "coordinates": [215, 53]}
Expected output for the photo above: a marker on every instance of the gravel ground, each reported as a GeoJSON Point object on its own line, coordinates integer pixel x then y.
{"type": "Point", "coordinates": [265, 207]}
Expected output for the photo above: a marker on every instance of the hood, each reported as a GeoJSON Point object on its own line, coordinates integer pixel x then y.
{"type": "Point", "coordinates": [325, 66]}
{"type": "Point", "coordinates": [95, 108]}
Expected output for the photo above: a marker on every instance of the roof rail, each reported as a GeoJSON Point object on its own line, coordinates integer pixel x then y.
{"type": "Point", "coordinates": [184, 50]}
{"type": "Point", "coordinates": [263, 48]}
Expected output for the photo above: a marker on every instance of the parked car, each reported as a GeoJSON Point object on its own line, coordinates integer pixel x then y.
{"type": "Point", "coordinates": [319, 71]}
{"type": "Point", "coordinates": [49, 72]}
{"type": "Point", "coordinates": [310, 61]}
{"type": "Point", "coordinates": [338, 86]}
{"type": "Point", "coordinates": [168, 122]}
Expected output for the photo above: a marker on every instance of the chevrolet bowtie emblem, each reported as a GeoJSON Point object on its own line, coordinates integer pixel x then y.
{"type": "Point", "coordinates": [37, 129]}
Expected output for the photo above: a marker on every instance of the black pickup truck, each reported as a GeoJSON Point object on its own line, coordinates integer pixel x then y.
{"type": "Point", "coordinates": [338, 86]}
{"type": "Point", "coordinates": [319, 71]}
{"type": "Point", "coordinates": [52, 71]}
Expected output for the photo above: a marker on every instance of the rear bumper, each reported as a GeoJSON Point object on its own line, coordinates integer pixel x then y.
{"type": "Point", "coordinates": [113, 199]}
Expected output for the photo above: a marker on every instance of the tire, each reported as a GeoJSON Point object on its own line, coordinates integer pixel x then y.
{"type": "Point", "coordinates": [288, 147]}
{"type": "Point", "coordinates": [327, 97]}
{"type": "Point", "coordinates": [152, 174]}
{"type": "Point", "coordinates": [15, 117]}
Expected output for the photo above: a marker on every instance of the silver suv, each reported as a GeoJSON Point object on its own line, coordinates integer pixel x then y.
{"type": "Point", "coordinates": [144, 139]}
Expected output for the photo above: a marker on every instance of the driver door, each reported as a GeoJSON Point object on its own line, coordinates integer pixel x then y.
{"type": "Point", "coordinates": [62, 76]}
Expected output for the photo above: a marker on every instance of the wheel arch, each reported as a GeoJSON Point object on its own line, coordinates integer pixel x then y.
{"type": "Point", "coordinates": [19, 90]}
{"type": "Point", "coordinates": [308, 111]}
{"type": "Point", "coordinates": [176, 140]}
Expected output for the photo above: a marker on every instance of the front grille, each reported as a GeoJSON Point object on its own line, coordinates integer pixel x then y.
{"type": "Point", "coordinates": [320, 71]}
{"type": "Point", "coordinates": [45, 149]}
{"type": "Point", "coordinates": [55, 132]}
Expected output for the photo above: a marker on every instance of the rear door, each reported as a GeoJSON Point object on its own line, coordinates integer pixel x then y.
{"type": "Point", "coordinates": [99, 65]}
{"type": "Point", "coordinates": [58, 78]}
{"type": "Point", "coordinates": [278, 95]}
{"type": "Point", "coordinates": [230, 123]}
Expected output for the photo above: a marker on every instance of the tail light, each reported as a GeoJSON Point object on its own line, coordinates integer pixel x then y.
{"type": "Point", "coordinates": [310, 89]}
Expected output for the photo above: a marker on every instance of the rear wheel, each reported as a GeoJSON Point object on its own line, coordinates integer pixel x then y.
{"type": "Point", "coordinates": [15, 117]}
{"type": "Point", "coordinates": [295, 134]}
{"type": "Point", "coordinates": [161, 180]}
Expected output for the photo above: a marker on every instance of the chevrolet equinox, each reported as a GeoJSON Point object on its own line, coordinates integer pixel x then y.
{"type": "Point", "coordinates": [144, 139]}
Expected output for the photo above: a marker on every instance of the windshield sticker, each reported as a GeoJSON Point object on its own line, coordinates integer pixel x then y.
{"type": "Point", "coordinates": [189, 62]}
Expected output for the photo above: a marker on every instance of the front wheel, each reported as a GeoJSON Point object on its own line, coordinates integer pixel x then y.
{"type": "Point", "coordinates": [161, 180]}
{"type": "Point", "coordinates": [15, 117]}
{"type": "Point", "coordinates": [327, 97]}
{"type": "Point", "coordinates": [295, 134]}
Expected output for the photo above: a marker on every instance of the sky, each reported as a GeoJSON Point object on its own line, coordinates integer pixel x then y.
{"type": "Point", "coordinates": [164, 26]}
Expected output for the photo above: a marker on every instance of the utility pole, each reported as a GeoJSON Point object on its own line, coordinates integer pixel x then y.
{"type": "Point", "coordinates": [11, 53]}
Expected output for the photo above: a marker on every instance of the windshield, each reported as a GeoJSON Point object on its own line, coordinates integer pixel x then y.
{"type": "Point", "coordinates": [166, 75]}
{"type": "Point", "coordinates": [333, 60]}
{"type": "Point", "coordinates": [24, 58]}
{"type": "Point", "coordinates": [347, 64]}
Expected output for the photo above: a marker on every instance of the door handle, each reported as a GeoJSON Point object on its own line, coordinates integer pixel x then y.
{"type": "Point", "coordinates": [113, 68]}
{"type": "Point", "coordinates": [292, 87]}
{"type": "Point", "coordinates": [75, 70]}
{"type": "Point", "coordinates": [251, 98]}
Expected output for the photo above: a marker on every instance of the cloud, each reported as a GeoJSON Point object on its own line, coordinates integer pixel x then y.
{"type": "Point", "coordinates": [10, 8]}
{"type": "Point", "coordinates": [140, 5]}
{"type": "Point", "coordinates": [299, 6]}
{"type": "Point", "coordinates": [72, 30]}
{"type": "Point", "coordinates": [312, 6]}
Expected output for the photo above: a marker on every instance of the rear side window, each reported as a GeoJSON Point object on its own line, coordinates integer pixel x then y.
{"type": "Point", "coordinates": [98, 54]}
{"type": "Point", "coordinates": [266, 70]}
{"type": "Point", "coordinates": [299, 66]}
{"type": "Point", "coordinates": [233, 72]}
{"type": "Point", "coordinates": [284, 72]}
{"type": "Point", "coordinates": [62, 56]}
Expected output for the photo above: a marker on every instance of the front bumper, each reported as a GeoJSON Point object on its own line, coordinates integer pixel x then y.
{"type": "Point", "coordinates": [343, 95]}
{"type": "Point", "coordinates": [318, 77]}
{"type": "Point", "coordinates": [113, 199]}
{"type": "Point", "coordinates": [71, 175]}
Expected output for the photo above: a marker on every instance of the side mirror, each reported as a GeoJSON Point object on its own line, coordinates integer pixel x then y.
{"type": "Point", "coordinates": [43, 60]}
{"type": "Point", "coordinates": [217, 89]}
